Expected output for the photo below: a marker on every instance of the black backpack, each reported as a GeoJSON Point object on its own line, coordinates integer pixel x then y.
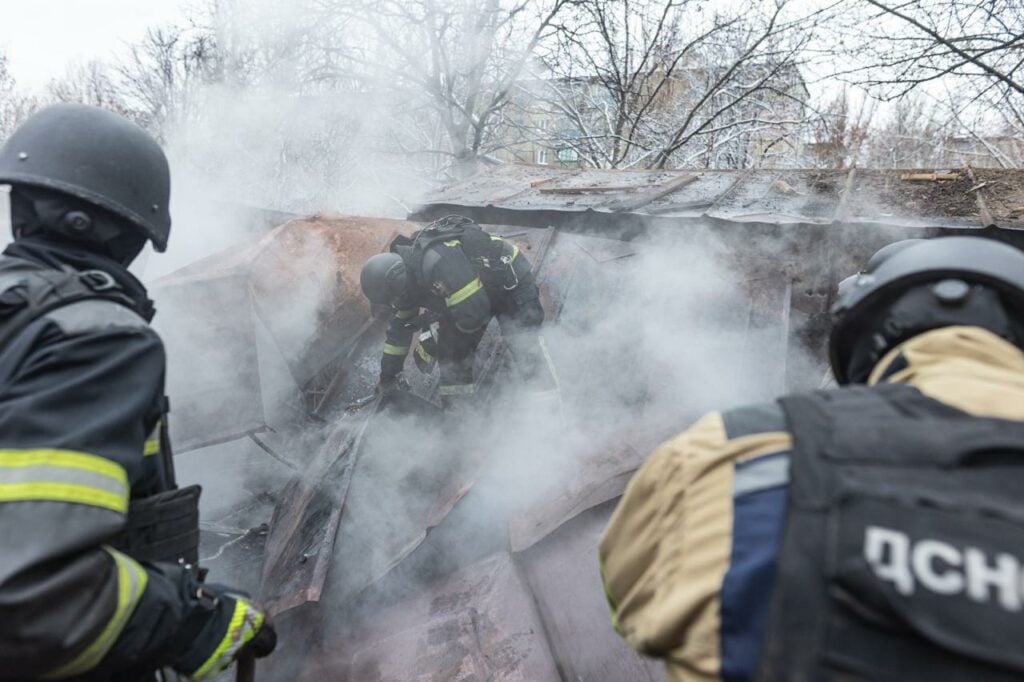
{"type": "Point", "coordinates": [480, 248]}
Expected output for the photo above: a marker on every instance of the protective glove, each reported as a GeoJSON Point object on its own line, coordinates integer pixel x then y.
{"type": "Point", "coordinates": [239, 628]}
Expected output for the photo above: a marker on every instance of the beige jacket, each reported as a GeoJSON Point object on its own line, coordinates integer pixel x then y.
{"type": "Point", "coordinates": [667, 547]}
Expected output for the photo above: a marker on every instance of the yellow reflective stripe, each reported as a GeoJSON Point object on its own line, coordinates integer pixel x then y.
{"type": "Point", "coordinates": [457, 389]}
{"type": "Point", "coordinates": [62, 476]}
{"type": "Point", "coordinates": [549, 362]}
{"type": "Point", "coordinates": [62, 492]}
{"type": "Point", "coordinates": [515, 249]}
{"type": "Point", "coordinates": [152, 444]}
{"type": "Point", "coordinates": [68, 459]}
{"type": "Point", "coordinates": [245, 623]}
{"type": "Point", "coordinates": [405, 314]}
{"type": "Point", "coordinates": [464, 293]}
{"type": "Point", "coordinates": [452, 242]}
{"type": "Point", "coordinates": [422, 352]}
{"type": "Point", "coordinates": [131, 583]}
{"type": "Point", "coordinates": [613, 605]}
{"type": "Point", "coordinates": [390, 349]}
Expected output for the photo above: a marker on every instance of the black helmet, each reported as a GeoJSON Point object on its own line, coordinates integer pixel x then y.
{"type": "Point", "coordinates": [383, 278]}
{"type": "Point", "coordinates": [95, 156]}
{"type": "Point", "coordinates": [912, 286]}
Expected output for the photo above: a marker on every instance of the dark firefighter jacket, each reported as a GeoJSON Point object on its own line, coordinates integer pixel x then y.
{"type": "Point", "coordinates": [689, 557]}
{"type": "Point", "coordinates": [455, 288]}
{"type": "Point", "coordinates": [81, 400]}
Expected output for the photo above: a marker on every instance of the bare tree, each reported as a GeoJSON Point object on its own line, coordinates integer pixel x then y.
{"type": "Point", "coordinates": [841, 131]}
{"type": "Point", "coordinates": [450, 65]}
{"type": "Point", "coordinates": [659, 83]}
{"type": "Point", "coordinates": [91, 83]}
{"type": "Point", "coordinates": [963, 56]}
{"type": "Point", "coordinates": [158, 79]}
{"type": "Point", "coordinates": [15, 105]}
{"type": "Point", "coordinates": [915, 42]}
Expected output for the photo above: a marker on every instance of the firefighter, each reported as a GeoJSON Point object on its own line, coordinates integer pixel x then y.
{"type": "Point", "coordinates": [98, 575]}
{"type": "Point", "coordinates": [461, 276]}
{"type": "Point", "coordinates": [871, 532]}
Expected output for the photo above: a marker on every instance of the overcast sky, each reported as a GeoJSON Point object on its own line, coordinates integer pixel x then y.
{"type": "Point", "coordinates": [41, 37]}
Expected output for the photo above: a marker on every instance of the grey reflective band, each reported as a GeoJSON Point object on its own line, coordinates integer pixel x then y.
{"type": "Point", "coordinates": [46, 475]}
{"type": "Point", "coordinates": [457, 389]}
{"type": "Point", "coordinates": [770, 471]}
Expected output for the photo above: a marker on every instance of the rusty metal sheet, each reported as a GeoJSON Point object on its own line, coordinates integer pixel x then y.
{"type": "Point", "coordinates": [563, 577]}
{"type": "Point", "coordinates": [476, 624]}
{"type": "Point", "coordinates": [306, 519]}
{"type": "Point", "coordinates": [305, 283]}
{"type": "Point", "coordinates": [300, 283]}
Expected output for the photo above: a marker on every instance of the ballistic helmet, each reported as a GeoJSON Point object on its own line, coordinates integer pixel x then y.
{"type": "Point", "coordinates": [383, 278]}
{"type": "Point", "coordinates": [95, 157]}
{"type": "Point", "coordinates": [913, 286]}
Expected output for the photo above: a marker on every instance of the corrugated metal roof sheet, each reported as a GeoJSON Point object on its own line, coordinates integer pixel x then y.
{"type": "Point", "coordinates": [955, 198]}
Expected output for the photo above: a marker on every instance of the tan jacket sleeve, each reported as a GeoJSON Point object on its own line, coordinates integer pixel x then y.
{"type": "Point", "coordinates": [667, 546]}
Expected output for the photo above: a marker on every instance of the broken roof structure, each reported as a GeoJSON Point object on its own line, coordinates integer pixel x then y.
{"type": "Point", "coordinates": [531, 195]}
{"type": "Point", "coordinates": [386, 543]}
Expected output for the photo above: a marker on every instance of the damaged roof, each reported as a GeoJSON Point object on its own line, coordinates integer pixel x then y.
{"type": "Point", "coordinates": [349, 531]}
{"type": "Point", "coordinates": [949, 198]}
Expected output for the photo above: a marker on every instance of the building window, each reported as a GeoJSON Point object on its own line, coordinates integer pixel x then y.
{"type": "Point", "coordinates": [568, 155]}
{"type": "Point", "coordinates": [541, 155]}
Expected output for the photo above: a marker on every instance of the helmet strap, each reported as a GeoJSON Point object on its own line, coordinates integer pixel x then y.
{"type": "Point", "coordinates": [48, 214]}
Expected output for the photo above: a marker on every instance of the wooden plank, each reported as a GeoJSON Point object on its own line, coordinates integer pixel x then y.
{"type": "Point", "coordinates": [844, 196]}
{"type": "Point", "coordinates": [928, 177]}
{"type": "Point", "coordinates": [533, 185]}
{"type": "Point", "coordinates": [633, 203]}
{"type": "Point", "coordinates": [593, 188]}
{"type": "Point", "coordinates": [728, 190]}
{"type": "Point", "coordinates": [986, 215]}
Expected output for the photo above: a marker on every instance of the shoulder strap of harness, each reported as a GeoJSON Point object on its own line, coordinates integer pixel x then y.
{"type": "Point", "coordinates": [475, 242]}
{"type": "Point", "coordinates": [28, 293]}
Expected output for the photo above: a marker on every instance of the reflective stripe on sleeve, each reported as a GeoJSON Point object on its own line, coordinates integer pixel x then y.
{"type": "Point", "coordinates": [422, 352]}
{"type": "Point", "coordinates": [390, 349]}
{"type": "Point", "coordinates": [131, 583]}
{"type": "Point", "coordinates": [245, 623]}
{"type": "Point", "coordinates": [457, 389]}
{"type": "Point", "coordinates": [515, 249]}
{"type": "Point", "coordinates": [63, 476]}
{"type": "Point", "coordinates": [613, 604]}
{"type": "Point", "coordinates": [152, 444]}
{"type": "Point", "coordinates": [464, 293]}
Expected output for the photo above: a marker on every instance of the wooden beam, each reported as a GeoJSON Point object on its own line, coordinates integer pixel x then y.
{"type": "Point", "coordinates": [928, 177]}
{"type": "Point", "coordinates": [986, 215]}
{"type": "Point", "coordinates": [593, 188]}
{"type": "Point", "coordinates": [844, 196]}
{"type": "Point", "coordinates": [633, 203]}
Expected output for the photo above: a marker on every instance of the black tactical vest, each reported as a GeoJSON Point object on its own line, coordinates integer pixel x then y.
{"type": "Point", "coordinates": [903, 550]}
{"type": "Point", "coordinates": [160, 527]}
